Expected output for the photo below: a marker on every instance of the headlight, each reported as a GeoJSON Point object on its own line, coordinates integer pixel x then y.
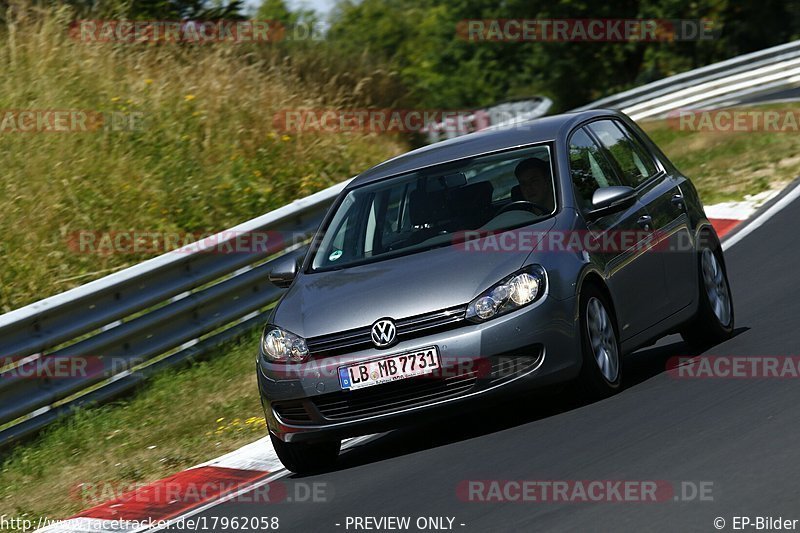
{"type": "Point", "coordinates": [515, 291]}
{"type": "Point", "coordinates": [281, 346]}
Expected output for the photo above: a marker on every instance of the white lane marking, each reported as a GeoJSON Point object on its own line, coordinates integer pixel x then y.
{"type": "Point", "coordinates": [257, 455]}
{"type": "Point", "coordinates": [759, 221]}
{"type": "Point", "coordinates": [261, 456]}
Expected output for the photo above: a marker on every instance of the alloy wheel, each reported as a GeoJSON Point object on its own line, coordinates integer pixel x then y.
{"type": "Point", "coordinates": [716, 287]}
{"type": "Point", "coordinates": [602, 339]}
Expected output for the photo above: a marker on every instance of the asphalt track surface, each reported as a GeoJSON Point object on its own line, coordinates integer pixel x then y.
{"type": "Point", "coordinates": [741, 435]}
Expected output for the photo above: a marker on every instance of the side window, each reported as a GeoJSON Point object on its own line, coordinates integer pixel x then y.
{"type": "Point", "coordinates": [342, 234]}
{"type": "Point", "coordinates": [641, 155]}
{"type": "Point", "coordinates": [631, 157]}
{"type": "Point", "coordinates": [395, 226]}
{"type": "Point", "coordinates": [500, 175]}
{"type": "Point", "coordinates": [589, 168]}
{"type": "Point", "coordinates": [338, 242]}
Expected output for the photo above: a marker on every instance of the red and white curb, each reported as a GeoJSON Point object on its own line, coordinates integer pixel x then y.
{"type": "Point", "coordinates": [256, 464]}
{"type": "Point", "coordinates": [725, 217]}
{"type": "Point", "coordinates": [185, 493]}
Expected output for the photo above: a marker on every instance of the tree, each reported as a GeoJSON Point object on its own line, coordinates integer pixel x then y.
{"type": "Point", "coordinates": [419, 38]}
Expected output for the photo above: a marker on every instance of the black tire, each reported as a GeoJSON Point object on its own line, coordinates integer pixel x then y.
{"type": "Point", "coordinates": [593, 382]}
{"type": "Point", "coordinates": [706, 329]}
{"type": "Point", "coordinates": [306, 457]}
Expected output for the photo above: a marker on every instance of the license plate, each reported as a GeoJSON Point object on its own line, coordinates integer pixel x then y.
{"type": "Point", "coordinates": [390, 368]}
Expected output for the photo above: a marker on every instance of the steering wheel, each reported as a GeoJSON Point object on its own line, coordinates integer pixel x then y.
{"type": "Point", "coordinates": [523, 205]}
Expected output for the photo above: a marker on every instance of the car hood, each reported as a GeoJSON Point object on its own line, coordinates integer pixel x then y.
{"type": "Point", "coordinates": [321, 303]}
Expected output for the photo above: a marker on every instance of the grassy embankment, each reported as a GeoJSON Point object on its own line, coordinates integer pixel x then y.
{"type": "Point", "coordinates": [727, 166]}
{"type": "Point", "coordinates": [205, 156]}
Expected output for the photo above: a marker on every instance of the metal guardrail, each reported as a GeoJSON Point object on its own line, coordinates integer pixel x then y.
{"type": "Point", "coordinates": [494, 117]}
{"type": "Point", "coordinates": [712, 86]}
{"type": "Point", "coordinates": [176, 307]}
{"type": "Point", "coordinates": [182, 304]}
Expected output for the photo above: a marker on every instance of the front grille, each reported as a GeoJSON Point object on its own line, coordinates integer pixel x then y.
{"type": "Point", "coordinates": [393, 396]}
{"type": "Point", "coordinates": [407, 328]}
{"type": "Point", "coordinates": [292, 411]}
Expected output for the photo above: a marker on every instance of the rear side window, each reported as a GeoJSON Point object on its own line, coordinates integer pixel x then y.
{"type": "Point", "coordinates": [628, 153]}
{"type": "Point", "coordinates": [589, 168]}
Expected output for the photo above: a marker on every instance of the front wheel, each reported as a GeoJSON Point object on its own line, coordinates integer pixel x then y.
{"type": "Point", "coordinates": [601, 371]}
{"type": "Point", "coordinates": [713, 322]}
{"type": "Point", "coordinates": [306, 457]}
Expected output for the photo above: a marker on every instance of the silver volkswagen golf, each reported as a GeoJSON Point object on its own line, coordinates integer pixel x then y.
{"type": "Point", "coordinates": [495, 262]}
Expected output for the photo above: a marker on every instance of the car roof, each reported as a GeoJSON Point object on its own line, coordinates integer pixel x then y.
{"type": "Point", "coordinates": [543, 129]}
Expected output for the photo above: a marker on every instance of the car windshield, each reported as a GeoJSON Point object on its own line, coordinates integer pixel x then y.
{"type": "Point", "coordinates": [428, 208]}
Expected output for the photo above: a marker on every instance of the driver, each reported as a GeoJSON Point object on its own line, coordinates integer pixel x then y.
{"type": "Point", "coordinates": [535, 183]}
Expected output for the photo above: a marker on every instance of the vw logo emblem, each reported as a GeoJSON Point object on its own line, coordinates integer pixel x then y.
{"type": "Point", "coordinates": [383, 332]}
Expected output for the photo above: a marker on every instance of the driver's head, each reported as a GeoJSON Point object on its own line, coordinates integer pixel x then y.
{"type": "Point", "coordinates": [535, 182]}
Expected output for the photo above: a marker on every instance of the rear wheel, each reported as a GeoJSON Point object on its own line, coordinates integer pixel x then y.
{"type": "Point", "coordinates": [601, 371]}
{"type": "Point", "coordinates": [713, 322]}
{"type": "Point", "coordinates": [306, 457]}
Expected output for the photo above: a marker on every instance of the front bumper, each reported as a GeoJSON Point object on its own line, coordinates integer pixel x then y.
{"type": "Point", "coordinates": [531, 347]}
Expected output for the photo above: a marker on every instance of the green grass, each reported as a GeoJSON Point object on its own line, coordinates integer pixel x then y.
{"type": "Point", "coordinates": [727, 166]}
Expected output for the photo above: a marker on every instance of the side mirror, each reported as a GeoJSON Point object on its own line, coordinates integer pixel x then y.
{"type": "Point", "coordinates": [284, 270]}
{"type": "Point", "coordinates": [607, 200]}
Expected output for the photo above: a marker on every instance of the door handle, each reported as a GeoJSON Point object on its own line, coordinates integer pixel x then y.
{"type": "Point", "coordinates": [677, 200]}
{"type": "Point", "coordinates": [645, 221]}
